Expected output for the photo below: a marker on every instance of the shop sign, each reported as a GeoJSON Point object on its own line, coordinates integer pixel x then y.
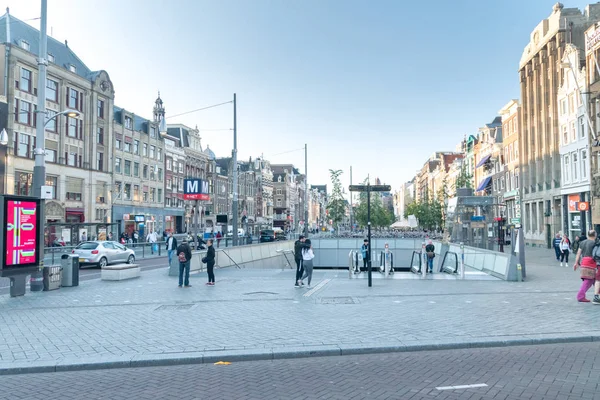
{"type": "Point", "coordinates": [583, 206]}
{"type": "Point", "coordinates": [125, 217]}
{"type": "Point", "coordinates": [573, 200]}
{"type": "Point", "coordinates": [592, 38]}
{"type": "Point", "coordinates": [139, 218]}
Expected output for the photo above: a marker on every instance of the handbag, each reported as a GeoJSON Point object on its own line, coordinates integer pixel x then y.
{"type": "Point", "coordinates": [430, 254]}
{"type": "Point", "coordinates": [588, 273]}
{"type": "Point", "coordinates": [204, 260]}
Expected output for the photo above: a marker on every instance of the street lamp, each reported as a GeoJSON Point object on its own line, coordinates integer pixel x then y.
{"type": "Point", "coordinates": [3, 138]}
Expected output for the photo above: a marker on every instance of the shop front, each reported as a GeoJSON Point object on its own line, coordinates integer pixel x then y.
{"type": "Point", "coordinates": [146, 219]}
{"type": "Point", "coordinates": [576, 215]}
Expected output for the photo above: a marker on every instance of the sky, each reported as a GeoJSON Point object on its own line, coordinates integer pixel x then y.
{"type": "Point", "coordinates": [379, 85]}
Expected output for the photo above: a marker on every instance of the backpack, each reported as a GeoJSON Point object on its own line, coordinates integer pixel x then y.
{"type": "Point", "coordinates": [596, 253]}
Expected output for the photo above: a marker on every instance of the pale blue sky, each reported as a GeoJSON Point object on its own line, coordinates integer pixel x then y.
{"type": "Point", "coordinates": [379, 85]}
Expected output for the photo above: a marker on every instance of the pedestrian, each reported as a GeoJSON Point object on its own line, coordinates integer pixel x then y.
{"type": "Point", "coordinates": [210, 263]}
{"type": "Point", "coordinates": [184, 254]}
{"type": "Point", "coordinates": [151, 238]}
{"type": "Point", "coordinates": [171, 246]}
{"type": "Point", "coordinates": [364, 251]}
{"type": "Point", "coordinates": [430, 253]}
{"type": "Point", "coordinates": [565, 246]}
{"type": "Point", "coordinates": [136, 236]}
{"type": "Point", "coordinates": [575, 245]}
{"type": "Point", "coordinates": [585, 260]}
{"type": "Point", "coordinates": [219, 236]}
{"type": "Point", "coordinates": [556, 244]}
{"type": "Point", "coordinates": [298, 246]}
{"type": "Point", "coordinates": [307, 263]}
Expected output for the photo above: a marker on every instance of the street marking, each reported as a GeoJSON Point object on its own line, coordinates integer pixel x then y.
{"type": "Point", "coordinates": [316, 288]}
{"type": "Point", "coordinates": [432, 302]}
{"type": "Point", "coordinates": [544, 302]}
{"type": "Point", "coordinates": [459, 387]}
{"type": "Point", "coordinates": [468, 301]}
{"type": "Point", "coordinates": [506, 302]}
{"type": "Point", "coordinates": [397, 301]}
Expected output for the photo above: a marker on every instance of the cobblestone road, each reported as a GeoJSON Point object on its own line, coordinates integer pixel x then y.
{"type": "Point", "coordinates": [548, 372]}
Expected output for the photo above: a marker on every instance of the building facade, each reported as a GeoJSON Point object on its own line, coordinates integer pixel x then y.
{"type": "Point", "coordinates": [175, 167]}
{"type": "Point", "coordinates": [592, 54]}
{"type": "Point", "coordinates": [510, 114]}
{"type": "Point", "coordinates": [539, 138]}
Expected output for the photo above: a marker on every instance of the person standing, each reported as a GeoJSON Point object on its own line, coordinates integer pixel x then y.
{"type": "Point", "coordinates": [219, 236]}
{"type": "Point", "coordinates": [184, 253]}
{"type": "Point", "coordinates": [556, 244]}
{"type": "Point", "coordinates": [430, 252]}
{"type": "Point", "coordinates": [364, 251]}
{"type": "Point", "coordinates": [210, 263]}
{"type": "Point", "coordinates": [298, 247]}
{"type": "Point", "coordinates": [585, 260]}
{"type": "Point", "coordinates": [565, 247]}
{"type": "Point", "coordinates": [151, 238]}
{"type": "Point", "coordinates": [171, 246]}
{"type": "Point", "coordinates": [307, 262]}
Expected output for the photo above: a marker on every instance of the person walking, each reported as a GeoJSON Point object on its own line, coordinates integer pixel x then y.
{"type": "Point", "coordinates": [430, 252]}
{"type": "Point", "coordinates": [151, 238]}
{"type": "Point", "coordinates": [565, 246]}
{"type": "Point", "coordinates": [299, 245]}
{"type": "Point", "coordinates": [556, 244]}
{"type": "Point", "coordinates": [586, 263]}
{"type": "Point", "coordinates": [210, 263]}
{"type": "Point", "coordinates": [364, 251]}
{"type": "Point", "coordinates": [219, 236]}
{"type": "Point", "coordinates": [575, 245]}
{"type": "Point", "coordinates": [171, 246]}
{"type": "Point", "coordinates": [184, 253]}
{"type": "Point", "coordinates": [307, 262]}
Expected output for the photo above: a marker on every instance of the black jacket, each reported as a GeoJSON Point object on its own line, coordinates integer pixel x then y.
{"type": "Point", "coordinates": [210, 255]}
{"type": "Point", "coordinates": [174, 244]}
{"type": "Point", "coordinates": [298, 247]}
{"type": "Point", "coordinates": [430, 249]}
{"type": "Point", "coordinates": [185, 249]}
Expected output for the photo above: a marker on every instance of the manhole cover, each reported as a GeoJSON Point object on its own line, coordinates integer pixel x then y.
{"type": "Point", "coordinates": [174, 307]}
{"type": "Point", "coordinates": [338, 300]}
{"type": "Point", "coordinates": [255, 293]}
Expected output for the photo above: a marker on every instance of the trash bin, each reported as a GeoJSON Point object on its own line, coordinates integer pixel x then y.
{"type": "Point", "coordinates": [52, 278]}
{"type": "Point", "coordinates": [36, 282]}
{"type": "Point", "coordinates": [70, 269]}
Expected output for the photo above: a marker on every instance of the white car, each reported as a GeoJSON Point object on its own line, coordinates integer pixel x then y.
{"type": "Point", "coordinates": [101, 253]}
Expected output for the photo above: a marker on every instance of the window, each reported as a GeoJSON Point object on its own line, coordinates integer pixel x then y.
{"type": "Point", "coordinates": [152, 151]}
{"type": "Point", "coordinates": [127, 167]}
{"type": "Point", "coordinates": [152, 195]}
{"type": "Point", "coordinates": [118, 165]}
{"type": "Point", "coordinates": [72, 125]}
{"type": "Point", "coordinates": [23, 112]}
{"type": "Point", "coordinates": [516, 178]}
{"type": "Point", "coordinates": [136, 169]}
{"type": "Point", "coordinates": [581, 128]}
{"type": "Point", "coordinates": [159, 154]}
{"type": "Point", "coordinates": [145, 196]}
{"type": "Point", "coordinates": [72, 159]}
{"type": "Point", "coordinates": [25, 83]}
{"type": "Point", "coordinates": [575, 166]}
{"type": "Point", "coordinates": [153, 132]}
{"type": "Point", "coordinates": [565, 134]}
{"type": "Point", "coordinates": [127, 192]}
{"type": "Point", "coordinates": [23, 183]}
{"type": "Point", "coordinates": [159, 198]}
{"type": "Point", "coordinates": [279, 202]}
{"type": "Point", "coordinates": [101, 193]}
{"type": "Point", "coordinates": [169, 184]}
{"type": "Point", "coordinates": [118, 144]}
{"type": "Point", "coordinates": [118, 190]}
{"type": "Point", "coordinates": [507, 179]}
{"type": "Point", "coordinates": [127, 147]}
{"type": "Point", "coordinates": [128, 122]}
{"type": "Point", "coordinates": [566, 169]}
{"type": "Point", "coordinates": [100, 135]}
{"type": "Point", "coordinates": [24, 45]}
{"type": "Point", "coordinates": [50, 57]}
{"type": "Point", "coordinates": [180, 185]}
{"type": "Point", "coordinates": [563, 107]}
{"type": "Point", "coordinates": [571, 103]}
{"type": "Point", "coordinates": [160, 174]}
{"type": "Point", "coordinates": [73, 99]}
{"type": "Point", "coordinates": [50, 156]}
{"type": "Point", "coordinates": [136, 147]}
{"type": "Point", "coordinates": [72, 68]}
{"type": "Point", "coordinates": [101, 109]}
{"type": "Point", "coordinates": [152, 173]}
{"type": "Point", "coordinates": [50, 121]}
{"type": "Point", "coordinates": [100, 158]}
{"type": "Point", "coordinates": [52, 90]}
{"type": "Point", "coordinates": [53, 182]}
{"type": "Point", "coordinates": [278, 191]}
{"type": "Point", "coordinates": [145, 172]}
{"type": "Point", "coordinates": [136, 193]}
{"type": "Point", "coordinates": [74, 189]}
{"type": "Point", "coordinates": [583, 164]}
{"type": "Point", "coordinates": [573, 131]}
{"type": "Point", "coordinates": [180, 167]}
{"type": "Point", "coordinates": [169, 164]}
{"type": "Point", "coordinates": [23, 145]}
{"type": "Point", "coordinates": [145, 150]}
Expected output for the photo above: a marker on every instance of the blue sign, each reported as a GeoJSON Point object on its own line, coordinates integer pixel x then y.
{"type": "Point", "coordinates": [195, 189]}
{"type": "Point", "coordinates": [478, 218]}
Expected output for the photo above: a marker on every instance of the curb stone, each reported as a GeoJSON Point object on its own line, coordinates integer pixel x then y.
{"type": "Point", "coordinates": [209, 357]}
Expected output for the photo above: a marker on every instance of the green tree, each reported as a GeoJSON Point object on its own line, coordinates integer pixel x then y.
{"type": "Point", "coordinates": [336, 206]}
{"type": "Point", "coordinates": [464, 179]}
{"type": "Point", "coordinates": [381, 216]}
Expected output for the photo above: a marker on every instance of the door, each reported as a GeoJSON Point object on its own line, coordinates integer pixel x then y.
{"type": "Point", "coordinates": [120, 253]}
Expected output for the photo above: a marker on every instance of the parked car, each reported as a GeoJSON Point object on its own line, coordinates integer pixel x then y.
{"type": "Point", "coordinates": [102, 253]}
{"type": "Point", "coordinates": [267, 235]}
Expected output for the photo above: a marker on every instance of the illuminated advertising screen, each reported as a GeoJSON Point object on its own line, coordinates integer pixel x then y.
{"type": "Point", "coordinates": [21, 232]}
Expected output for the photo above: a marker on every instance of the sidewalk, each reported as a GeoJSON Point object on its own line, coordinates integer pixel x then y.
{"type": "Point", "coordinates": [258, 314]}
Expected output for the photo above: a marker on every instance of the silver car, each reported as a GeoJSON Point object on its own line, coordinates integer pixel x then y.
{"type": "Point", "coordinates": [102, 253]}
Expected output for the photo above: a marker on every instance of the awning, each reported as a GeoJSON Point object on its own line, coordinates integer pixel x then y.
{"type": "Point", "coordinates": [484, 183]}
{"type": "Point", "coordinates": [483, 161]}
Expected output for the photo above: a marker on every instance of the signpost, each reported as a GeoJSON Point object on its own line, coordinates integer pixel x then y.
{"type": "Point", "coordinates": [368, 188]}
{"type": "Point", "coordinates": [196, 189]}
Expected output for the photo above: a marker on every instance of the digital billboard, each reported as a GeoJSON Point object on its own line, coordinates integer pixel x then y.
{"type": "Point", "coordinates": [21, 232]}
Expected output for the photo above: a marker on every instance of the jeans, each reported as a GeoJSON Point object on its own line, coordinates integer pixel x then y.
{"type": "Point", "coordinates": [210, 266]}
{"type": "Point", "coordinates": [430, 264]}
{"type": "Point", "coordinates": [557, 251]}
{"type": "Point", "coordinates": [184, 266]}
{"type": "Point", "coordinates": [564, 256]}
{"type": "Point", "coordinates": [170, 253]}
{"type": "Point", "coordinates": [299, 270]}
{"type": "Point", "coordinates": [585, 285]}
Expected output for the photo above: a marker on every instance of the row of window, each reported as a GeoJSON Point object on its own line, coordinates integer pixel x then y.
{"type": "Point", "coordinates": [511, 152]}
{"type": "Point", "coordinates": [569, 103]}
{"type": "Point", "coordinates": [569, 132]}
{"type": "Point", "coordinates": [125, 192]}
{"type": "Point", "coordinates": [124, 167]}
{"type": "Point", "coordinates": [174, 165]}
{"type": "Point", "coordinates": [128, 122]}
{"type": "Point", "coordinates": [133, 146]}
{"type": "Point", "coordinates": [575, 167]}
{"type": "Point", "coordinates": [507, 183]}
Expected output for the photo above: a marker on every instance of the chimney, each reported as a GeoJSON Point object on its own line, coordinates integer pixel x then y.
{"type": "Point", "coordinates": [66, 43]}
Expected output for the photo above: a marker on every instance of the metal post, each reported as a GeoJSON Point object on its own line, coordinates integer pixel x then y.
{"type": "Point", "coordinates": [196, 212]}
{"type": "Point", "coordinates": [351, 208]}
{"type": "Point", "coordinates": [39, 169]}
{"type": "Point", "coordinates": [370, 255]}
{"type": "Point", "coordinates": [462, 260]}
{"type": "Point", "coordinates": [424, 258]}
{"type": "Point", "coordinates": [582, 214]}
{"type": "Point", "coordinates": [305, 190]}
{"type": "Point", "coordinates": [235, 177]}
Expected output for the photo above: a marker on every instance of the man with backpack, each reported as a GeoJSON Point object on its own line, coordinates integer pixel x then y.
{"type": "Point", "coordinates": [430, 252]}
{"type": "Point", "coordinates": [184, 253]}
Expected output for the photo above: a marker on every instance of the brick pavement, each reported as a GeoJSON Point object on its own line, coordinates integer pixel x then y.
{"type": "Point", "coordinates": [548, 372]}
{"type": "Point", "coordinates": [258, 314]}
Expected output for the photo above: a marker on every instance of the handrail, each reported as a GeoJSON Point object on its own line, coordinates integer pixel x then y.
{"type": "Point", "coordinates": [417, 252]}
{"type": "Point", "coordinates": [287, 260]}
{"type": "Point", "coordinates": [236, 264]}
{"type": "Point", "coordinates": [449, 269]}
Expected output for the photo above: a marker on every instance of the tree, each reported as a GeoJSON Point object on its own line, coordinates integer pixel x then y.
{"type": "Point", "coordinates": [336, 207]}
{"type": "Point", "coordinates": [429, 213]}
{"type": "Point", "coordinates": [381, 216]}
{"type": "Point", "coordinates": [464, 179]}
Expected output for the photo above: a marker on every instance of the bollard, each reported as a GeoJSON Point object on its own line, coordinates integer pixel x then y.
{"type": "Point", "coordinates": [424, 262]}
{"type": "Point", "coordinates": [462, 260]}
{"type": "Point", "coordinates": [519, 273]}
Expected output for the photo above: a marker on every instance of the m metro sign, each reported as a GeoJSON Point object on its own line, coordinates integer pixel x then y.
{"type": "Point", "coordinates": [195, 189]}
